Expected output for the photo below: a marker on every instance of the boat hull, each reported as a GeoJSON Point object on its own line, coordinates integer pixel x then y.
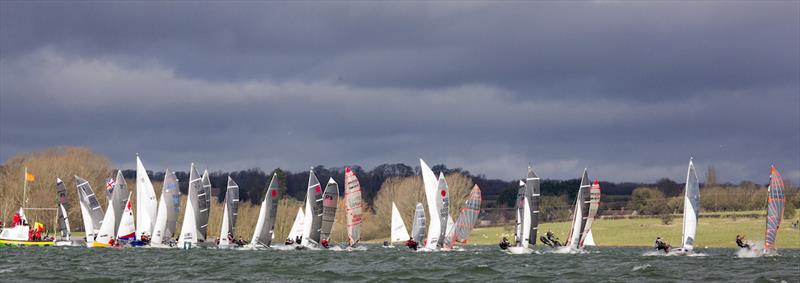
{"type": "Point", "coordinates": [26, 243]}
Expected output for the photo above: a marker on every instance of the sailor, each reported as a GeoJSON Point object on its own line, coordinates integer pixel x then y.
{"type": "Point", "coordinates": [661, 245]}
{"type": "Point", "coordinates": [411, 244]}
{"type": "Point", "coordinates": [145, 238]}
{"type": "Point", "coordinates": [230, 237]}
{"type": "Point", "coordinates": [740, 242]}
{"type": "Point", "coordinates": [240, 242]}
{"type": "Point", "coordinates": [298, 240]}
{"type": "Point", "coordinates": [288, 241]}
{"type": "Point", "coordinates": [324, 243]}
{"type": "Point", "coordinates": [385, 243]}
{"type": "Point", "coordinates": [552, 239]}
{"type": "Point", "coordinates": [17, 220]}
{"type": "Point", "coordinates": [504, 244]}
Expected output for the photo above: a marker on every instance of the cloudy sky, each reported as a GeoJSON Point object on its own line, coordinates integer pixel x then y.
{"type": "Point", "coordinates": [630, 90]}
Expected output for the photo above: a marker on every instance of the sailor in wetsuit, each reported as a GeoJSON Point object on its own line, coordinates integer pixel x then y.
{"type": "Point", "coordinates": [661, 245]}
{"type": "Point", "coordinates": [504, 244]}
{"type": "Point", "coordinates": [740, 242]}
{"type": "Point", "coordinates": [324, 243]}
{"type": "Point", "coordinates": [411, 244]}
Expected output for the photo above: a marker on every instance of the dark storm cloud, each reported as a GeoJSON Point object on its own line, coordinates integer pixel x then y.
{"type": "Point", "coordinates": [630, 90]}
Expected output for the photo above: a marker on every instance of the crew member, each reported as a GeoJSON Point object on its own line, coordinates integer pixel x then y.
{"type": "Point", "coordinates": [740, 242]}
{"type": "Point", "coordinates": [504, 244]}
{"type": "Point", "coordinates": [411, 244]}
{"type": "Point", "coordinates": [661, 245]}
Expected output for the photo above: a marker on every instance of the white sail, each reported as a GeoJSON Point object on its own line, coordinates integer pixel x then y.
{"type": "Point", "coordinates": [106, 233]}
{"type": "Point", "coordinates": [297, 226]}
{"type": "Point", "coordinates": [312, 223]}
{"type": "Point", "coordinates": [87, 224]}
{"type": "Point", "coordinates": [127, 229]}
{"type": "Point", "coordinates": [189, 229]}
{"type": "Point", "coordinates": [399, 231]}
{"type": "Point", "coordinates": [167, 215]}
{"type": "Point", "coordinates": [691, 205]}
{"type": "Point", "coordinates": [450, 224]}
{"type": "Point", "coordinates": [526, 221]}
{"type": "Point", "coordinates": [262, 218]}
{"type": "Point", "coordinates": [146, 206]}
{"type": "Point", "coordinates": [434, 224]}
{"type": "Point", "coordinates": [223, 234]}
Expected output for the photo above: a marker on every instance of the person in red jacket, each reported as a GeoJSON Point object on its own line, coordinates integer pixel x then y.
{"type": "Point", "coordinates": [17, 219]}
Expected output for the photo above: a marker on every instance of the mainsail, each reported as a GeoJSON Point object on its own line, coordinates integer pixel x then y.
{"type": "Point", "coordinates": [399, 232]}
{"type": "Point", "coordinates": [313, 212]}
{"type": "Point", "coordinates": [189, 228]}
{"type": "Point", "coordinates": [580, 213]}
{"type": "Point", "coordinates": [594, 204]}
{"type": "Point", "coordinates": [229, 213]}
{"type": "Point", "coordinates": [691, 207]}
{"type": "Point", "coordinates": [127, 229]}
{"type": "Point", "coordinates": [533, 195]}
{"type": "Point", "coordinates": [352, 196]}
{"type": "Point", "coordinates": [466, 219]}
{"type": "Point", "coordinates": [204, 206]}
{"type": "Point", "coordinates": [522, 225]}
{"type": "Point", "coordinates": [146, 204]}
{"type": "Point", "coordinates": [435, 226]}
{"type": "Point", "coordinates": [330, 199]}
{"type": "Point", "coordinates": [443, 200]}
{"type": "Point", "coordinates": [120, 197]}
{"type": "Point", "coordinates": [297, 225]}
{"type": "Point", "coordinates": [63, 206]}
{"type": "Point", "coordinates": [418, 224]}
{"type": "Point", "coordinates": [91, 212]}
{"type": "Point", "coordinates": [775, 208]}
{"type": "Point", "coordinates": [265, 226]}
{"type": "Point", "coordinates": [168, 208]}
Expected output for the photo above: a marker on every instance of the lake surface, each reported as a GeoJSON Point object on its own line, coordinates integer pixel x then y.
{"type": "Point", "coordinates": [474, 264]}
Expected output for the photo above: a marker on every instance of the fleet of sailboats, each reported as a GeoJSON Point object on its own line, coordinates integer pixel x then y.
{"type": "Point", "coordinates": [155, 222]}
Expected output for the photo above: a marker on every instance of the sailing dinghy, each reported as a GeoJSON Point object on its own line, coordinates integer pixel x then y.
{"type": "Point", "coordinates": [190, 230]}
{"type": "Point", "coordinates": [106, 236]}
{"type": "Point", "coordinates": [330, 200]}
{"type": "Point", "coordinates": [63, 238]}
{"type": "Point", "coordinates": [434, 206]}
{"type": "Point", "coordinates": [466, 219]}
{"type": "Point", "coordinates": [127, 228]}
{"type": "Point", "coordinates": [297, 228]}
{"type": "Point", "coordinates": [167, 215]}
{"type": "Point", "coordinates": [146, 203]}
{"type": "Point", "coordinates": [21, 234]}
{"type": "Point", "coordinates": [353, 207]}
{"type": "Point", "coordinates": [265, 226]}
{"type": "Point", "coordinates": [580, 215]}
{"type": "Point", "coordinates": [522, 226]}
{"type": "Point", "coordinates": [313, 212]}
{"type": "Point", "coordinates": [91, 212]}
{"type": "Point", "coordinates": [230, 210]}
{"type": "Point", "coordinates": [418, 223]}
{"type": "Point", "coordinates": [399, 232]}
{"type": "Point", "coordinates": [691, 209]}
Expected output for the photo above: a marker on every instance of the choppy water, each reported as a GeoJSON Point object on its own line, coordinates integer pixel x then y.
{"type": "Point", "coordinates": [475, 264]}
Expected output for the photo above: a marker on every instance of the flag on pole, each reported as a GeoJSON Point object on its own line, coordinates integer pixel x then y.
{"type": "Point", "coordinates": [29, 177]}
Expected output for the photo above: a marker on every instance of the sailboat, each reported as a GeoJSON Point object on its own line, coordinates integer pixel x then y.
{"type": "Point", "coordinates": [330, 200]}
{"type": "Point", "coordinates": [434, 206]}
{"type": "Point", "coordinates": [533, 196]}
{"type": "Point", "coordinates": [691, 209]}
{"type": "Point", "coordinates": [418, 223]}
{"type": "Point", "coordinates": [230, 210]}
{"type": "Point", "coordinates": [190, 230]}
{"type": "Point", "coordinates": [167, 215]}
{"type": "Point", "coordinates": [106, 236]}
{"type": "Point", "coordinates": [775, 207]}
{"type": "Point", "coordinates": [204, 205]}
{"type": "Point", "coordinates": [353, 204]}
{"type": "Point", "coordinates": [146, 204]}
{"type": "Point", "coordinates": [63, 238]}
{"type": "Point", "coordinates": [443, 200]}
{"type": "Point", "coordinates": [522, 226]}
{"type": "Point", "coordinates": [91, 212]}
{"type": "Point", "coordinates": [579, 214]}
{"type": "Point", "coordinates": [594, 205]}
{"type": "Point", "coordinates": [297, 227]}
{"type": "Point", "coordinates": [398, 229]}
{"type": "Point", "coordinates": [127, 229]}
{"type": "Point", "coordinates": [265, 226]}
{"type": "Point", "coordinates": [313, 212]}
{"type": "Point", "coordinates": [466, 219]}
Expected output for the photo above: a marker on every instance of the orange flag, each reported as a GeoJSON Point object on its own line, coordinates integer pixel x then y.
{"type": "Point", "coordinates": [29, 177]}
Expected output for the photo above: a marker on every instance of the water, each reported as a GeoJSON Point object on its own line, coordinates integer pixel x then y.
{"type": "Point", "coordinates": [475, 264]}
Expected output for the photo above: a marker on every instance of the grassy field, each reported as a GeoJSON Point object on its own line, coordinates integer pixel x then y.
{"type": "Point", "coordinates": [711, 232]}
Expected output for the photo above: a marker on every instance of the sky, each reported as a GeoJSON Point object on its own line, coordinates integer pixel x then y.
{"type": "Point", "coordinates": [628, 89]}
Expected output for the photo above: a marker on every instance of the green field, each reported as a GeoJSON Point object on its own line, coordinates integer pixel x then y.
{"type": "Point", "coordinates": [711, 232]}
